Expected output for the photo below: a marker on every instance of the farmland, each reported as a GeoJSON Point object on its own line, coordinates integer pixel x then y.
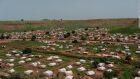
{"type": "Point", "coordinates": [70, 49]}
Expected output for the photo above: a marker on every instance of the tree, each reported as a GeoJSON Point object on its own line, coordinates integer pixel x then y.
{"type": "Point", "coordinates": [2, 36]}
{"type": "Point", "coordinates": [22, 20]}
{"type": "Point", "coordinates": [47, 32]}
{"type": "Point", "coordinates": [7, 37]}
{"type": "Point", "coordinates": [73, 32]}
{"type": "Point", "coordinates": [97, 61]}
{"type": "Point", "coordinates": [33, 38]}
{"type": "Point", "coordinates": [86, 29]}
{"type": "Point", "coordinates": [74, 41]}
{"type": "Point", "coordinates": [128, 57]}
{"type": "Point", "coordinates": [67, 35]}
{"type": "Point", "coordinates": [97, 27]}
{"type": "Point", "coordinates": [27, 51]}
{"type": "Point", "coordinates": [137, 65]}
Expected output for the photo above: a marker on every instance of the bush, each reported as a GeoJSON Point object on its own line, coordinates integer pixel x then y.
{"type": "Point", "coordinates": [47, 33]}
{"type": "Point", "coordinates": [2, 36]}
{"type": "Point", "coordinates": [74, 41]}
{"type": "Point", "coordinates": [13, 76]}
{"type": "Point", "coordinates": [137, 65]}
{"type": "Point", "coordinates": [33, 38]}
{"type": "Point", "coordinates": [110, 75]}
{"type": "Point", "coordinates": [86, 29]}
{"type": "Point", "coordinates": [73, 32]}
{"type": "Point", "coordinates": [97, 61]}
{"type": "Point", "coordinates": [27, 51]}
{"type": "Point", "coordinates": [67, 35]}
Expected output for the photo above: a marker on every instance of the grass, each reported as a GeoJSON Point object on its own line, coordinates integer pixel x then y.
{"type": "Point", "coordinates": [127, 73]}
{"type": "Point", "coordinates": [125, 30]}
{"type": "Point", "coordinates": [72, 25]}
{"type": "Point", "coordinates": [2, 54]}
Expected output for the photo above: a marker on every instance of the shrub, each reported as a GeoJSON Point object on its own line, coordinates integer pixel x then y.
{"type": "Point", "coordinates": [137, 65]}
{"type": "Point", "coordinates": [33, 38]}
{"type": "Point", "coordinates": [110, 75]}
{"type": "Point", "coordinates": [97, 61]}
{"type": "Point", "coordinates": [74, 41]}
{"type": "Point", "coordinates": [27, 51]}
{"type": "Point", "coordinates": [2, 36]}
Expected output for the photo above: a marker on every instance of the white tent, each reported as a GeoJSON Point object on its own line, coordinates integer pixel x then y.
{"type": "Point", "coordinates": [110, 65]}
{"type": "Point", "coordinates": [69, 77]}
{"type": "Point", "coordinates": [82, 61]}
{"type": "Point", "coordinates": [101, 68]}
{"type": "Point", "coordinates": [8, 55]}
{"type": "Point", "coordinates": [11, 64]}
{"type": "Point", "coordinates": [42, 66]}
{"type": "Point", "coordinates": [11, 71]}
{"type": "Point", "coordinates": [77, 63]}
{"type": "Point", "coordinates": [62, 70]}
{"type": "Point", "coordinates": [59, 60]}
{"type": "Point", "coordinates": [101, 64]}
{"type": "Point", "coordinates": [90, 73]}
{"type": "Point", "coordinates": [1, 59]}
{"type": "Point", "coordinates": [28, 72]}
{"type": "Point", "coordinates": [21, 62]}
{"type": "Point", "coordinates": [138, 73]}
{"type": "Point", "coordinates": [48, 73]}
{"type": "Point", "coordinates": [137, 78]}
{"type": "Point", "coordinates": [68, 73]}
{"type": "Point", "coordinates": [69, 67]}
{"type": "Point", "coordinates": [81, 69]}
{"type": "Point", "coordinates": [11, 60]}
{"type": "Point", "coordinates": [52, 64]}
{"type": "Point", "coordinates": [28, 59]}
{"type": "Point", "coordinates": [109, 70]}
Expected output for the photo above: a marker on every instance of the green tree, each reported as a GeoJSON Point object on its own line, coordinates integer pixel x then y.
{"type": "Point", "coordinates": [33, 38]}
{"type": "Point", "coordinates": [27, 51]}
{"type": "Point", "coordinates": [22, 20]}
{"type": "Point", "coordinates": [2, 36]}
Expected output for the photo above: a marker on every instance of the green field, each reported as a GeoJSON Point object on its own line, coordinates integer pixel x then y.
{"type": "Point", "coordinates": [115, 25]}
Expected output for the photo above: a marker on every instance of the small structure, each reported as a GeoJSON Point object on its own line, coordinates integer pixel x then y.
{"type": "Point", "coordinates": [48, 73]}
{"type": "Point", "coordinates": [110, 65]}
{"type": "Point", "coordinates": [138, 50]}
{"type": "Point", "coordinates": [68, 73]}
{"type": "Point", "coordinates": [11, 71]}
{"type": "Point", "coordinates": [28, 72]}
{"type": "Point", "coordinates": [137, 78]}
{"type": "Point", "coordinates": [42, 66]}
{"type": "Point", "coordinates": [69, 67]}
{"type": "Point", "coordinates": [21, 62]}
{"type": "Point", "coordinates": [101, 68]}
{"type": "Point", "coordinates": [82, 61]}
{"type": "Point", "coordinates": [69, 77]}
{"type": "Point", "coordinates": [80, 69]}
{"type": "Point", "coordinates": [52, 64]}
{"type": "Point", "coordinates": [62, 70]}
{"type": "Point", "coordinates": [90, 73]}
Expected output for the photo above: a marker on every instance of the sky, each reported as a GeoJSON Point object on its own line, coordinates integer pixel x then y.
{"type": "Point", "coordinates": [67, 9]}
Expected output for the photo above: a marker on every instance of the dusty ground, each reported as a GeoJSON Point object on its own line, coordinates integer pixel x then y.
{"type": "Point", "coordinates": [12, 25]}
